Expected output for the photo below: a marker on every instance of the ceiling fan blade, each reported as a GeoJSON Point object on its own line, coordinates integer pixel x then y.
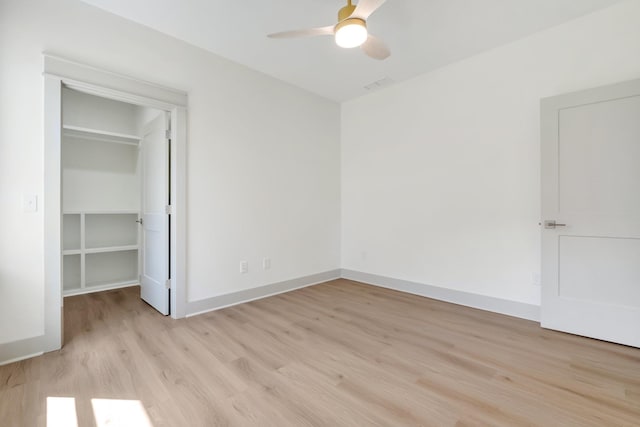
{"type": "Point", "coordinates": [311, 32]}
{"type": "Point", "coordinates": [364, 8]}
{"type": "Point", "coordinates": [375, 48]}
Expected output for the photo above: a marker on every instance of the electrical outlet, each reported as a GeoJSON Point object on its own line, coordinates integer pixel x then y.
{"type": "Point", "coordinates": [244, 267]}
{"type": "Point", "coordinates": [266, 263]}
{"type": "Point", "coordinates": [535, 278]}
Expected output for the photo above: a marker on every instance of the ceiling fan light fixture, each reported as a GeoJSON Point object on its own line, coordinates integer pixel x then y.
{"type": "Point", "coordinates": [351, 32]}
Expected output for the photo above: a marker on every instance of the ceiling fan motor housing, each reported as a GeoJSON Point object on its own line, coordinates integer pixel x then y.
{"type": "Point", "coordinates": [350, 21]}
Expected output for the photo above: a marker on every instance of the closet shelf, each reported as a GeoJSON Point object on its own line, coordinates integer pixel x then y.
{"type": "Point", "coordinates": [102, 212]}
{"type": "Point", "coordinates": [101, 250]}
{"type": "Point", "coordinates": [111, 249]}
{"type": "Point", "coordinates": [99, 135]}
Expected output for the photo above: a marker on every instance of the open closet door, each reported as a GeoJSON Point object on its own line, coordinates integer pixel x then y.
{"type": "Point", "coordinates": [154, 154]}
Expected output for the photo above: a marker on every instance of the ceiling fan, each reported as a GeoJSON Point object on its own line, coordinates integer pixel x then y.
{"type": "Point", "coordinates": [350, 31]}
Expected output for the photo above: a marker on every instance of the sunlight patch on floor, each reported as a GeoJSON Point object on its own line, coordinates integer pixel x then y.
{"type": "Point", "coordinates": [120, 413]}
{"type": "Point", "coordinates": [61, 412]}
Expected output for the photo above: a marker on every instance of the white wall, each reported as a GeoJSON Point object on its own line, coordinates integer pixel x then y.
{"type": "Point", "coordinates": [440, 174]}
{"type": "Point", "coordinates": [89, 111]}
{"type": "Point", "coordinates": [97, 175]}
{"type": "Point", "coordinates": [263, 157]}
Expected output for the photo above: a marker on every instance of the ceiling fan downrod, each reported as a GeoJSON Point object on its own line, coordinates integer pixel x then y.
{"type": "Point", "coordinates": [346, 11]}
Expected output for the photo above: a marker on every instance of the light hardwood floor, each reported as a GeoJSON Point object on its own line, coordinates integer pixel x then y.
{"type": "Point", "coordinates": [335, 354]}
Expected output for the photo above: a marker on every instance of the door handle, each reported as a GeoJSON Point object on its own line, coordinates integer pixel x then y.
{"type": "Point", "coordinates": [551, 224]}
{"type": "Point", "coordinates": [139, 221]}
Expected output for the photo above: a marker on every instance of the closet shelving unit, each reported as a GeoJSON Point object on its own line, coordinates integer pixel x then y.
{"type": "Point", "coordinates": [100, 247]}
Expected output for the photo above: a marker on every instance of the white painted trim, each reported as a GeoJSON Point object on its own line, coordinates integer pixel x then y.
{"type": "Point", "coordinates": [482, 302]}
{"type": "Point", "coordinates": [107, 84]}
{"type": "Point", "coordinates": [227, 300]}
{"type": "Point", "coordinates": [19, 350]}
{"type": "Point", "coordinates": [101, 288]}
{"type": "Point", "coordinates": [52, 338]}
{"type": "Point", "coordinates": [17, 359]}
{"type": "Point", "coordinates": [61, 72]}
{"type": "Point", "coordinates": [178, 212]}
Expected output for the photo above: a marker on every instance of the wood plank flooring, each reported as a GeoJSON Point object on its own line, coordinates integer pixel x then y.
{"type": "Point", "coordinates": [335, 354]}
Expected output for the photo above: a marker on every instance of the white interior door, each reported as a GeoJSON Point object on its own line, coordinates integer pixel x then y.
{"type": "Point", "coordinates": [591, 188]}
{"type": "Point", "coordinates": [154, 153]}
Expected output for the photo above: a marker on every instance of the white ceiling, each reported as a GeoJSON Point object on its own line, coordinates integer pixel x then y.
{"type": "Point", "coordinates": [423, 34]}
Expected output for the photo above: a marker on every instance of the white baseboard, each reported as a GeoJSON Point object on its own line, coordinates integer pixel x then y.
{"type": "Point", "coordinates": [227, 300]}
{"type": "Point", "coordinates": [17, 359]}
{"type": "Point", "coordinates": [482, 302]}
{"type": "Point", "coordinates": [92, 289]}
{"type": "Point", "coordinates": [31, 347]}
{"type": "Point", "coordinates": [15, 351]}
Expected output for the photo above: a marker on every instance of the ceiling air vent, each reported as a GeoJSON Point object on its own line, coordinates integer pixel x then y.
{"type": "Point", "coordinates": [379, 83]}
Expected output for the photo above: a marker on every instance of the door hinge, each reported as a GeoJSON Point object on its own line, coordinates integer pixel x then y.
{"type": "Point", "coordinates": [168, 209]}
{"type": "Point", "coordinates": [167, 284]}
{"type": "Point", "coordinates": [167, 134]}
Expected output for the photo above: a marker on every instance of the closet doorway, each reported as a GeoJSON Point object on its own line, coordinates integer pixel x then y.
{"type": "Point", "coordinates": [114, 189]}
{"type": "Point", "coordinates": [115, 197]}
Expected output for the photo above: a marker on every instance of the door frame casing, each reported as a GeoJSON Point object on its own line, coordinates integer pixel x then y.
{"type": "Point", "coordinates": [59, 73]}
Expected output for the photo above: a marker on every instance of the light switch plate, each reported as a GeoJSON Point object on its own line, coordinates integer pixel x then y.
{"type": "Point", "coordinates": [29, 203]}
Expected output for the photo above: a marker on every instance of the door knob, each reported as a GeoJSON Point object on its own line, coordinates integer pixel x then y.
{"type": "Point", "coordinates": [551, 224]}
{"type": "Point", "coordinates": [139, 221]}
